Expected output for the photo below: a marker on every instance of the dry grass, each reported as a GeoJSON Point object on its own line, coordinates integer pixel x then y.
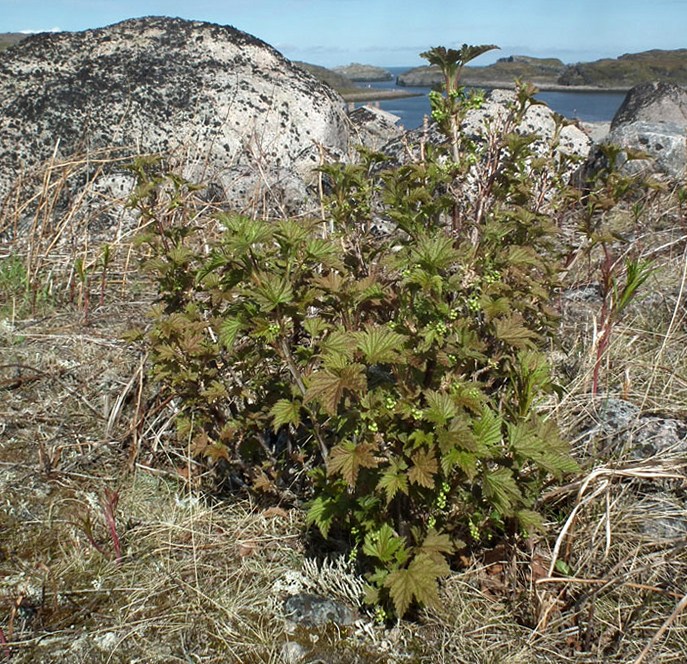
{"type": "Point", "coordinates": [187, 578]}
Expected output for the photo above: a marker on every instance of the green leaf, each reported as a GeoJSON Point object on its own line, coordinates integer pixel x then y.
{"type": "Point", "coordinates": [436, 544]}
{"type": "Point", "coordinates": [290, 233]}
{"type": "Point", "coordinates": [271, 291]}
{"type": "Point", "coordinates": [214, 392]}
{"type": "Point", "coordinates": [530, 521]}
{"type": "Point", "coordinates": [557, 464]}
{"type": "Point", "coordinates": [458, 435]}
{"type": "Point", "coordinates": [337, 344]}
{"type": "Point", "coordinates": [379, 344]}
{"type": "Point", "coordinates": [347, 459]}
{"type": "Point", "coordinates": [466, 461]}
{"type": "Point", "coordinates": [433, 253]}
{"type": "Point", "coordinates": [488, 430]}
{"type": "Point", "coordinates": [368, 290]}
{"type": "Point", "coordinates": [440, 407]}
{"type": "Point", "coordinates": [513, 332]}
{"type": "Point", "coordinates": [382, 544]}
{"type": "Point", "coordinates": [424, 469]}
{"type": "Point", "coordinates": [321, 250]}
{"type": "Point", "coordinates": [228, 332]}
{"type": "Point", "coordinates": [321, 512]}
{"type": "Point", "coordinates": [419, 438]}
{"type": "Point", "coordinates": [525, 441]}
{"type": "Point", "coordinates": [371, 595]}
{"type": "Point", "coordinates": [636, 273]}
{"type": "Point", "coordinates": [518, 255]}
{"type": "Point", "coordinates": [328, 386]}
{"type": "Point", "coordinates": [419, 583]}
{"type": "Point", "coordinates": [501, 489]}
{"type": "Point", "coordinates": [394, 479]}
{"type": "Point", "coordinates": [563, 568]}
{"type": "Point", "coordinates": [315, 326]}
{"type": "Point", "coordinates": [285, 412]}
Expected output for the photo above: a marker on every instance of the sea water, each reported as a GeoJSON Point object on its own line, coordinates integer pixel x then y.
{"type": "Point", "coordinates": [585, 106]}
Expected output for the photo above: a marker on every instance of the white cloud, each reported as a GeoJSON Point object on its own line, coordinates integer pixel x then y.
{"type": "Point", "coordinates": [33, 32]}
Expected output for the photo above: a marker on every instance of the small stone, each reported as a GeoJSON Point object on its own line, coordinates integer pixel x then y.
{"type": "Point", "coordinates": [293, 653]}
{"type": "Point", "coordinates": [308, 609]}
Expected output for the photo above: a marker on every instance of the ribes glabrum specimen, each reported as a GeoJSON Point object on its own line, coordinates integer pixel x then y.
{"type": "Point", "coordinates": [384, 364]}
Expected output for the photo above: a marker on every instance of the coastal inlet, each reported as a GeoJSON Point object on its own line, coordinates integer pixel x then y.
{"type": "Point", "coordinates": [588, 106]}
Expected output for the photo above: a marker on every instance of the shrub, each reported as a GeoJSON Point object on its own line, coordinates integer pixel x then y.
{"type": "Point", "coordinates": [384, 364]}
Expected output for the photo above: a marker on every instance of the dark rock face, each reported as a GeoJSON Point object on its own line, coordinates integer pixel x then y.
{"type": "Point", "coordinates": [228, 104]}
{"type": "Point", "coordinates": [653, 119]}
{"type": "Point", "coordinates": [653, 102]}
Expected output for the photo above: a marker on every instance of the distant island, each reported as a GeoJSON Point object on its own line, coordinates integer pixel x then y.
{"type": "Point", "coordinates": [8, 39]}
{"type": "Point", "coordinates": [364, 73]}
{"type": "Point", "coordinates": [612, 74]}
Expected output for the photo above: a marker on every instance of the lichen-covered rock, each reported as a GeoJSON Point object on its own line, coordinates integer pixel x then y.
{"type": "Point", "coordinates": [652, 120]}
{"type": "Point", "coordinates": [539, 119]}
{"type": "Point", "coordinates": [654, 102]}
{"type": "Point", "coordinates": [663, 143]}
{"type": "Point", "coordinates": [223, 101]}
{"type": "Point", "coordinates": [308, 609]}
{"type": "Point", "coordinates": [621, 430]}
{"type": "Point", "coordinates": [373, 127]}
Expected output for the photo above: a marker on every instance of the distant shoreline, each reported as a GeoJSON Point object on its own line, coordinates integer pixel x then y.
{"type": "Point", "coordinates": [375, 94]}
{"type": "Point", "coordinates": [543, 87]}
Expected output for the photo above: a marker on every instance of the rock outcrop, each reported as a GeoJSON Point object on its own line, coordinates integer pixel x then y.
{"type": "Point", "coordinates": [653, 119]}
{"type": "Point", "coordinates": [238, 115]}
{"type": "Point", "coordinates": [654, 102]}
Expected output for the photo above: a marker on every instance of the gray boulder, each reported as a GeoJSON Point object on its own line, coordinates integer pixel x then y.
{"type": "Point", "coordinates": [372, 127]}
{"type": "Point", "coordinates": [652, 120]}
{"type": "Point", "coordinates": [233, 111]}
{"type": "Point", "coordinates": [663, 143]}
{"type": "Point", "coordinates": [539, 119]}
{"type": "Point", "coordinates": [655, 102]}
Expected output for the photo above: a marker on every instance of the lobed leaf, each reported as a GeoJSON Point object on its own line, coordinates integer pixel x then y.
{"type": "Point", "coordinates": [394, 479]}
{"type": "Point", "coordinates": [514, 332]}
{"type": "Point", "coordinates": [348, 458]}
{"type": "Point", "coordinates": [501, 489]}
{"type": "Point", "coordinates": [417, 583]}
{"type": "Point", "coordinates": [284, 412]}
{"type": "Point", "coordinates": [379, 344]}
{"type": "Point", "coordinates": [382, 544]}
{"type": "Point", "coordinates": [424, 469]}
{"type": "Point", "coordinates": [327, 386]}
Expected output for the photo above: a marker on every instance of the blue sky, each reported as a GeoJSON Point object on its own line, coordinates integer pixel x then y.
{"type": "Point", "coordinates": [393, 32]}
